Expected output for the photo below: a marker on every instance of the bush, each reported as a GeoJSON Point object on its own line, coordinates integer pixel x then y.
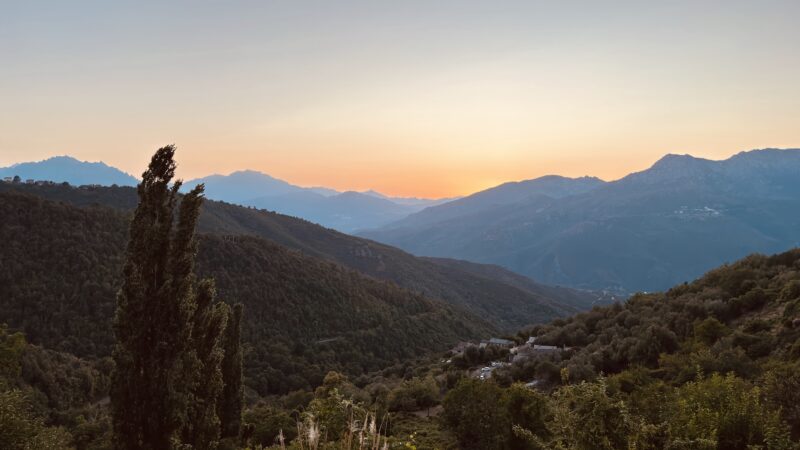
{"type": "Point", "coordinates": [725, 410]}
{"type": "Point", "coordinates": [710, 331]}
{"type": "Point", "coordinates": [266, 423]}
{"type": "Point", "coordinates": [473, 411]}
{"type": "Point", "coordinates": [414, 395]}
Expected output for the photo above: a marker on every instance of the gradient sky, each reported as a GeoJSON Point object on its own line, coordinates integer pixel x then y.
{"type": "Point", "coordinates": [433, 98]}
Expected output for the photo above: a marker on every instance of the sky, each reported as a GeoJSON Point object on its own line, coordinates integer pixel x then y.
{"type": "Point", "coordinates": [422, 98]}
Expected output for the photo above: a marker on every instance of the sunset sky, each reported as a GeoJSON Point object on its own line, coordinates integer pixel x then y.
{"type": "Point", "coordinates": [433, 98]}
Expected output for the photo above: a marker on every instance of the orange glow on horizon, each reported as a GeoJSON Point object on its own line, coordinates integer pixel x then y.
{"type": "Point", "coordinates": [424, 99]}
{"type": "Point", "coordinates": [402, 177]}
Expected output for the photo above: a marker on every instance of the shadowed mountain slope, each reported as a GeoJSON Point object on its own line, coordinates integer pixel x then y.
{"type": "Point", "coordinates": [504, 305]}
{"type": "Point", "coordinates": [647, 231]}
{"type": "Point", "coordinates": [62, 267]}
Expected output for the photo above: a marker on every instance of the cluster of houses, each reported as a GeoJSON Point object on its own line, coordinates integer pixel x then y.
{"type": "Point", "coordinates": [497, 342]}
{"type": "Point", "coordinates": [17, 180]}
{"type": "Point", "coordinates": [517, 353]}
{"type": "Point", "coordinates": [31, 181]}
{"type": "Point", "coordinates": [530, 349]}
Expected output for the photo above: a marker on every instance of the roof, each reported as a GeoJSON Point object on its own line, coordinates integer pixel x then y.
{"type": "Point", "coordinates": [545, 347]}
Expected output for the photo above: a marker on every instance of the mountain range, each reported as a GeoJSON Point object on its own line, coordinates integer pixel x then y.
{"type": "Point", "coordinates": [647, 231]}
{"type": "Point", "coordinates": [344, 211]}
{"type": "Point", "coordinates": [68, 169]}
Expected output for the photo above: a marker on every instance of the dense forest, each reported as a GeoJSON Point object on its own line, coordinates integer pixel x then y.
{"type": "Point", "coordinates": [712, 364]}
{"type": "Point", "coordinates": [506, 300]}
{"type": "Point", "coordinates": [305, 316]}
{"type": "Point", "coordinates": [45, 393]}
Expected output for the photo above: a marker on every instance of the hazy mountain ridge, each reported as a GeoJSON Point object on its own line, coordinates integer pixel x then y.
{"type": "Point", "coordinates": [241, 186]}
{"type": "Point", "coordinates": [552, 186]}
{"type": "Point", "coordinates": [647, 231]}
{"type": "Point", "coordinates": [345, 211]}
{"type": "Point", "coordinates": [68, 169]}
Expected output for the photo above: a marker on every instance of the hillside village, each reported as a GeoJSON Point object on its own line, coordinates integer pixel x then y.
{"type": "Point", "coordinates": [509, 353]}
{"type": "Point", "coordinates": [30, 181]}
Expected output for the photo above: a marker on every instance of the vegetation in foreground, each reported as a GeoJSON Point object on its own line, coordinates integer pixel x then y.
{"type": "Point", "coordinates": [714, 364]}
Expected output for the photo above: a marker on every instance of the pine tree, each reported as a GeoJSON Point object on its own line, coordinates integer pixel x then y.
{"type": "Point", "coordinates": [230, 405]}
{"type": "Point", "coordinates": [168, 326]}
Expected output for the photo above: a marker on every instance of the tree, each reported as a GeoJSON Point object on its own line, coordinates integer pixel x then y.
{"type": "Point", "coordinates": [11, 348]}
{"type": "Point", "coordinates": [473, 410]}
{"type": "Point", "coordinates": [725, 412]}
{"type": "Point", "coordinates": [782, 392]}
{"type": "Point", "coordinates": [528, 410]}
{"type": "Point", "coordinates": [414, 394]}
{"type": "Point", "coordinates": [230, 405]}
{"type": "Point", "coordinates": [167, 325]}
{"type": "Point", "coordinates": [655, 340]}
{"type": "Point", "coordinates": [710, 331]}
{"type": "Point", "coordinates": [267, 423]}
{"type": "Point", "coordinates": [585, 417]}
{"type": "Point", "coordinates": [21, 426]}
{"type": "Point", "coordinates": [22, 429]}
{"type": "Point", "coordinates": [202, 428]}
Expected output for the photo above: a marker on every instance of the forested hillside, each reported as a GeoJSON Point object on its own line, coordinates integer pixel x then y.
{"type": "Point", "coordinates": [711, 364]}
{"type": "Point", "coordinates": [43, 392]}
{"type": "Point", "coordinates": [61, 268]}
{"type": "Point", "coordinates": [490, 295]}
{"type": "Point", "coordinates": [569, 300]}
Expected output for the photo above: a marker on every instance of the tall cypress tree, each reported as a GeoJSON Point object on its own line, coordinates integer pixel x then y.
{"type": "Point", "coordinates": [232, 400]}
{"type": "Point", "coordinates": [202, 429]}
{"type": "Point", "coordinates": [168, 327]}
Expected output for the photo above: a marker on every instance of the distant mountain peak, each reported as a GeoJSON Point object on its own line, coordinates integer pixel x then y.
{"type": "Point", "coordinates": [67, 158]}
{"type": "Point", "coordinates": [675, 159]}
{"type": "Point", "coordinates": [374, 193]}
{"type": "Point", "coordinates": [61, 159]}
{"type": "Point", "coordinates": [743, 164]}
{"type": "Point", "coordinates": [351, 194]}
{"type": "Point", "coordinates": [673, 167]}
{"type": "Point", "coordinates": [775, 155]}
{"type": "Point", "coordinates": [249, 173]}
{"type": "Point", "coordinates": [767, 151]}
{"type": "Point", "coordinates": [72, 170]}
{"type": "Point", "coordinates": [241, 185]}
